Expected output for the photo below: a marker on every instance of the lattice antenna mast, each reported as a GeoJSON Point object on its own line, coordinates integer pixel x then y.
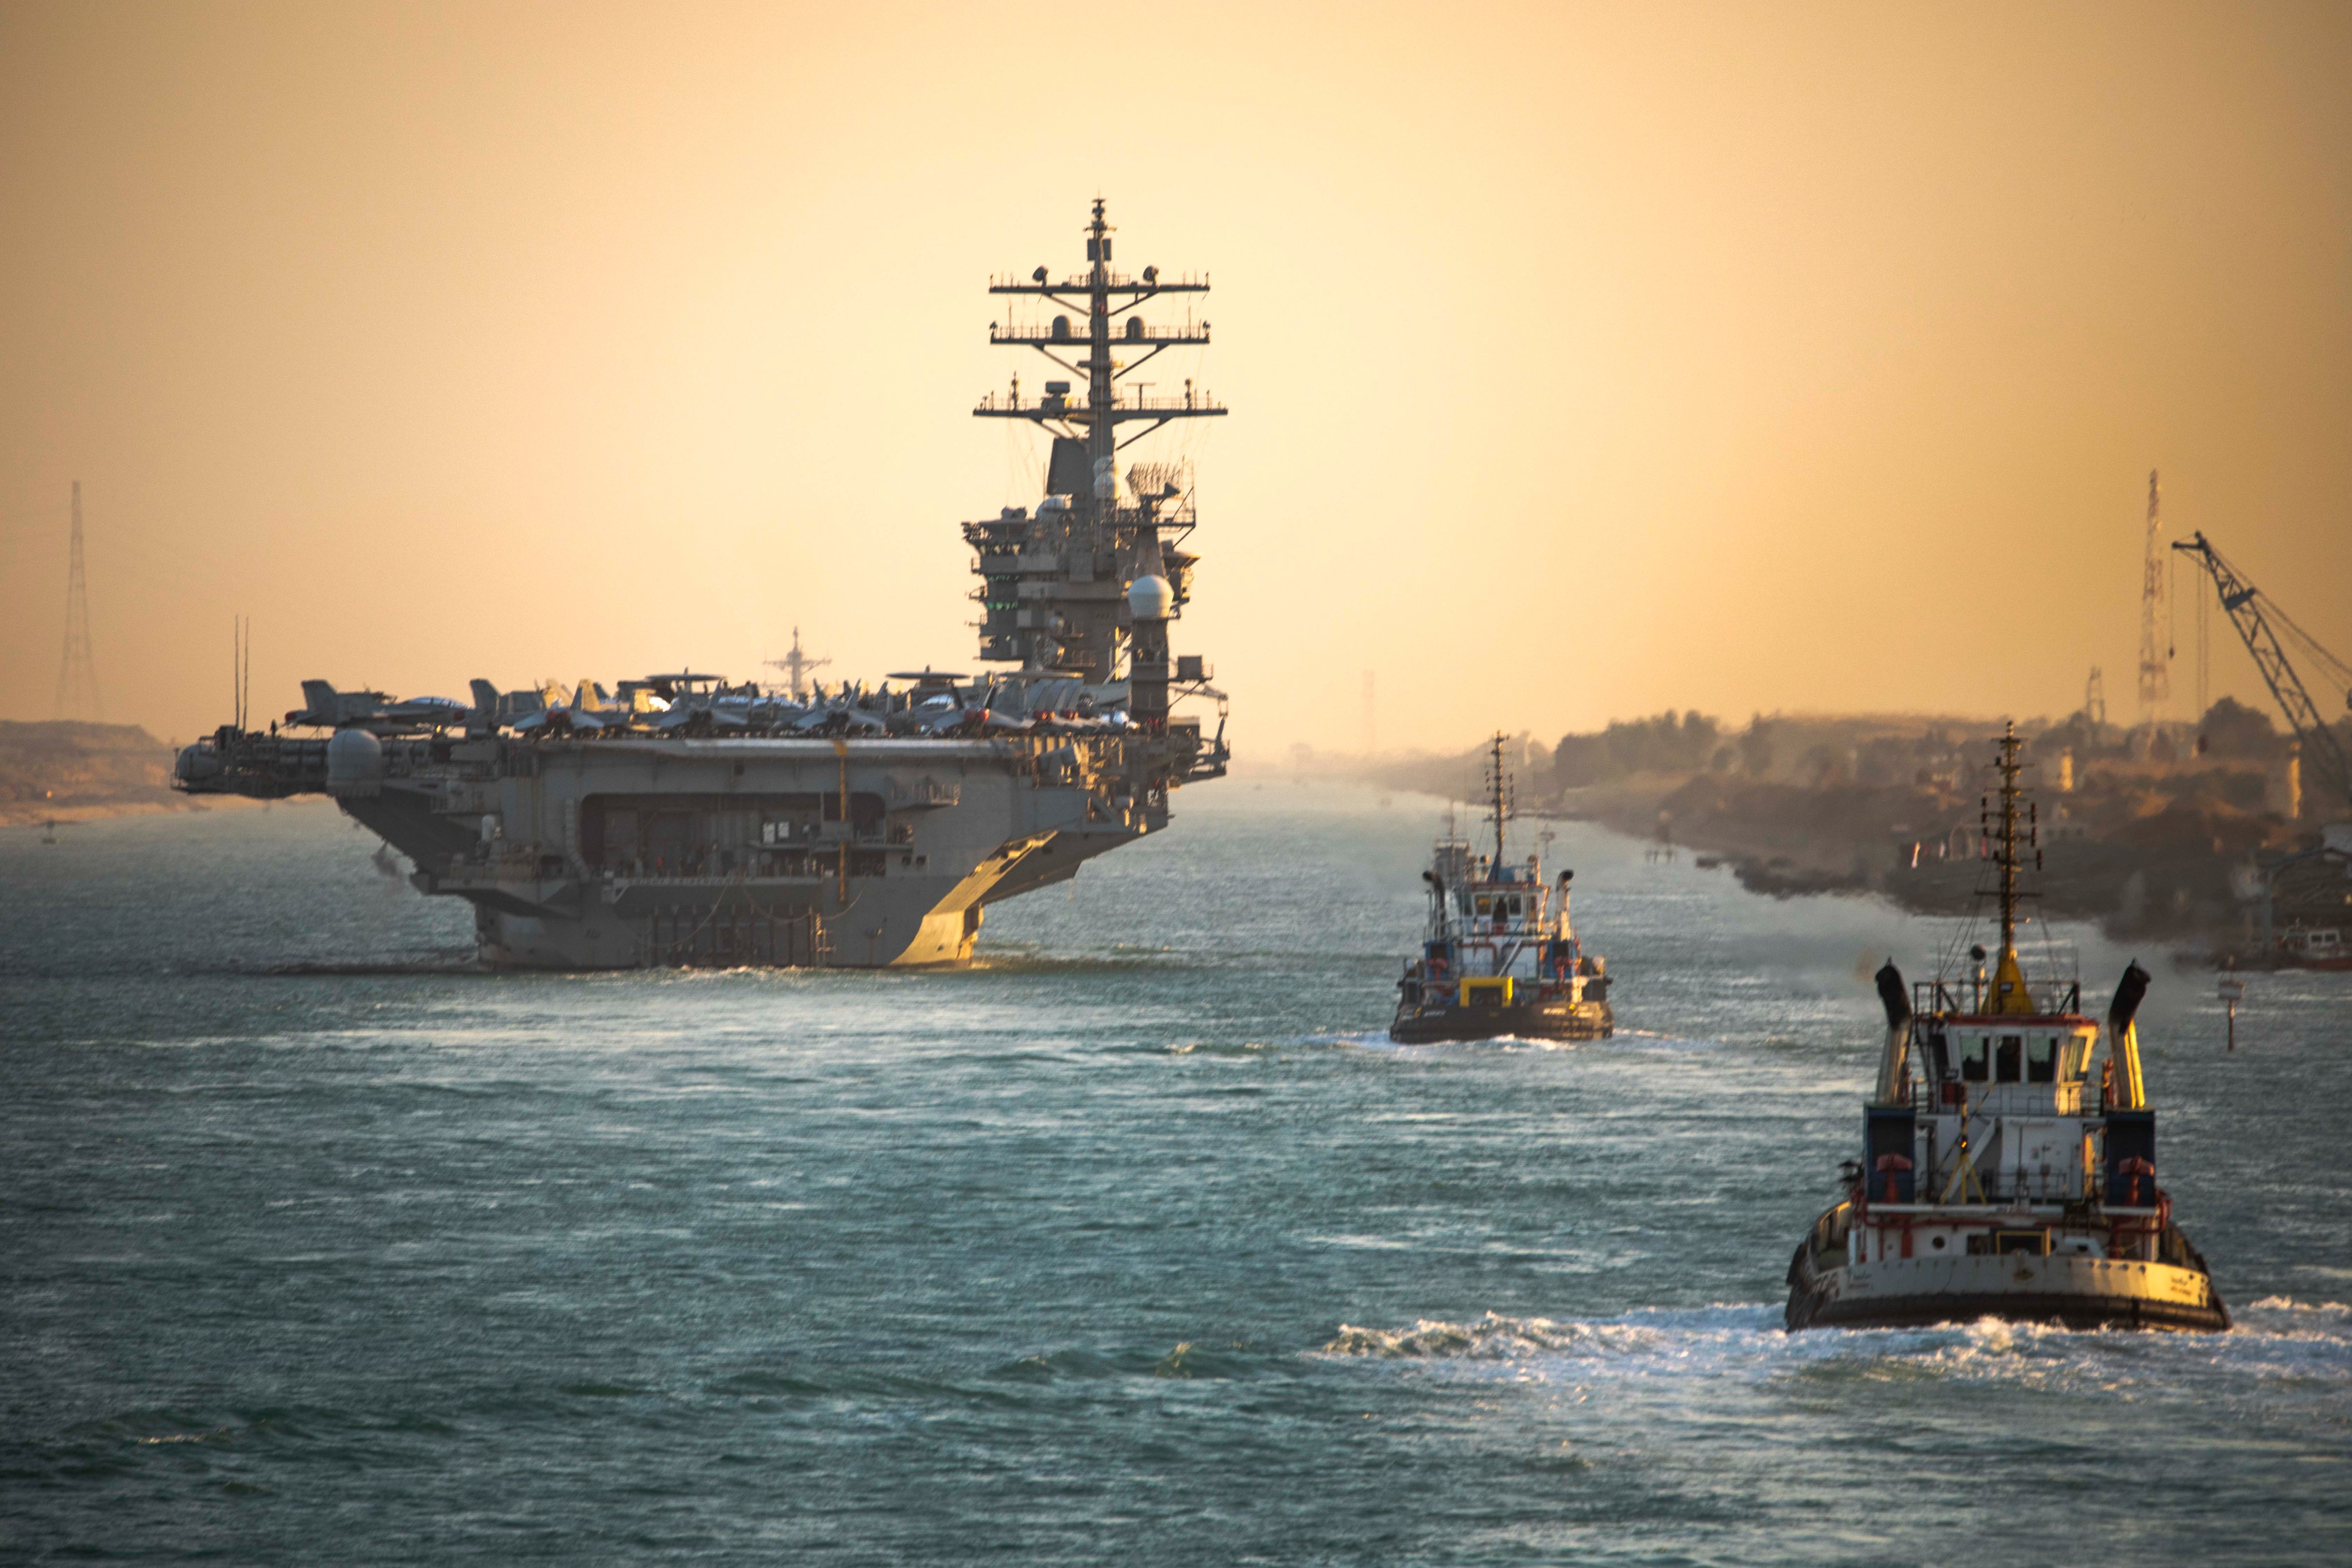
{"type": "Point", "coordinates": [1078, 627]}
{"type": "Point", "coordinates": [77, 670]}
{"type": "Point", "coordinates": [1498, 795]}
{"type": "Point", "coordinates": [236, 670]}
{"type": "Point", "coordinates": [2154, 658]}
{"type": "Point", "coordinates": [2010, 836]}
{"type": "Point", "coordinates": [2009, 833]}
{"type": "Point", "coordinates": [796, 666]}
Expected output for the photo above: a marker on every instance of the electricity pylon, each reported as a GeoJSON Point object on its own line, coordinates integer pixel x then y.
{"type": "Point", "coordinates": [77, 672]}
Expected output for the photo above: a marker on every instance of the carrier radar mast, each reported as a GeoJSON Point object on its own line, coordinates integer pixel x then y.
{"type": "Point", "coordinates": [1049, 589]}
{"type": "Point", "coordinates": [797, 665]}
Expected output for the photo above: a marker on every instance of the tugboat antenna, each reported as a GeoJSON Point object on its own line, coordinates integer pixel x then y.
{"type": "Point", "coordinates": [2009, 992]}
{"type": "Point", "coordinates": [2008, 766]}
{"type": "Point", "coordinates": [1494, 778]}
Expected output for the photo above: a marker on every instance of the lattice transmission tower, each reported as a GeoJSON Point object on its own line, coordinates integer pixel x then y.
{"type": "Point", "coordinates": [78, 672]}
{"type": "Point", "coordinates": [2155, 618]}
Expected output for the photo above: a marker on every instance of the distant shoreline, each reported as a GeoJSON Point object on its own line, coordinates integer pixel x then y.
{"type": "Point", "coordinates": [21, 814]}
{"type": "Point", "coordinates": [2157, 832]}
{"type": "Point", "coordinates": [67, 770]}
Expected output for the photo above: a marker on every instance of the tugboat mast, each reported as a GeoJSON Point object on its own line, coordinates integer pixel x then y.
{"type": "Point", "coordinates": [2011, 994]}
{"type": "Point", "coordinates": [1498, 805]}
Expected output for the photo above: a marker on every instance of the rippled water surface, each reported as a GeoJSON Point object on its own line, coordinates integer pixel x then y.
{"type": "Point", "coordinates": [1138, 1242]}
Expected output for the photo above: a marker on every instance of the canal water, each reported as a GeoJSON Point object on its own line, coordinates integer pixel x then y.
{"type": "Point", "coordinates": [1136, 1241]}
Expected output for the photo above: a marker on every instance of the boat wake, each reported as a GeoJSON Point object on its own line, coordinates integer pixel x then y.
{"type": "Point", "coordinates": [1381, 1039]}
{"type": "Point", "coordinates": [2278, 1342]}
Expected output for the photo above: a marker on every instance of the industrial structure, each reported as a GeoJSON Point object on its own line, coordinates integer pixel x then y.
{"type": "Point", "coordinates": [2155, 617]}
{"type": "Point", "coordinates": [679, 818]}
{"type": "Point", "coordinates": [2258, 619]}
{"type": "Point", "coordinates": [2319, 870]}
{"type": "Point", "coordinates": [77, 668]}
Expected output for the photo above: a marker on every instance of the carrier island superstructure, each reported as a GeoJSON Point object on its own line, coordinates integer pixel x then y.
{"type": "Point", "coordinates": [679, 818]}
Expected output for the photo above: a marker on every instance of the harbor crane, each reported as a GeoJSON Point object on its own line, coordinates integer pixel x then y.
{"type": "Point", "coordinates": [2258, 619]}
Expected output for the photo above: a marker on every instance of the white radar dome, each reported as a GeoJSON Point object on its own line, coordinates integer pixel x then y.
{"type": "Point", "coordinates": [1150, 598]}
{"type": "Point", "coordinates": [354, 763]}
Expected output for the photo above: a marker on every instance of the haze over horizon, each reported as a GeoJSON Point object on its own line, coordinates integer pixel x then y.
{"type": "Point", "coordinates": [1584, 361]}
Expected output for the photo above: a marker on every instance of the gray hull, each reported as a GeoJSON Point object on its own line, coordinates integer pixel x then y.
{"type": "Point", "coordinates": [626, 854]}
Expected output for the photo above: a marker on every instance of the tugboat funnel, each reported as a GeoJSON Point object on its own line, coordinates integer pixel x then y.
{"type": "Point", "coordinates": [2123, 1038]}
{"type": "Point", "coordinates": [1894, 1065]}
{"type": "Point", "coordinates": [2131, 991]}
{"type": "Point", "coordinates": [1893, 995]}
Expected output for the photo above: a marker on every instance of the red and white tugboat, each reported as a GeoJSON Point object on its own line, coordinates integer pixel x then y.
{"type": "Point", "coordinates": [2000, 1178]}
{"type": "Point", "coordinates": [1499, 957]}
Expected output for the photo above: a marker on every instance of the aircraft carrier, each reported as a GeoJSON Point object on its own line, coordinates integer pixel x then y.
{"type": "Point", "coordinates": [681, 819]}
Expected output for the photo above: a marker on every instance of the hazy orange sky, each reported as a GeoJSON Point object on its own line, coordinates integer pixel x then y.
{"type": "Point", "coordinates": [1584, 360]}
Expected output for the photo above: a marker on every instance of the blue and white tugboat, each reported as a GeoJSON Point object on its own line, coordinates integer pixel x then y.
{"type": "Point", "coordinates": [1998, 1177]}
{"type": "Point", "coordinates": [1499, 957]}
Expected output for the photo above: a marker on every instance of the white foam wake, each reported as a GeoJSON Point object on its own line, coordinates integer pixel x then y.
{"type": "Point", "coordinates": [2277, 1338]}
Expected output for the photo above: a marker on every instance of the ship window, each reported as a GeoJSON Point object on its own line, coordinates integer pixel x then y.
{"type": "Point", "coordinates": [2008, 1059]}
{"type": "Point", "coordinates": [2042, 1060]}
{"type": "Point", "coordinates": [1973, 1058]}
{"type": "Point", "coordinates": [1485, 905]}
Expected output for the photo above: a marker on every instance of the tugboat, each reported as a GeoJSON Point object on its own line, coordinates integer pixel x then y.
{"type": "Point", "coordinates": [1999, 1178]}
{"type": "Point", "coordinates": [2308, 947]}
{"type": "Point", "coordinates": [1498, 958]}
